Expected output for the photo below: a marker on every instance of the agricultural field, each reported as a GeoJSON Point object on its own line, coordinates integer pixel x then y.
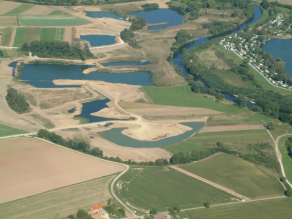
{"type": "Point", "coordinates": [59, 203]}
{"type": "Point", "coordinates": [47, 20]}
{"type": "Point", "coordinates": [32, 166]}
{"type": "Point", "coordinates": [163, 187]}
{"type": "Point", "coordinates": [8, 21]}
{"type": "Point", "coordinates": [243, 177]}
{"type": "Point", "coordinates": [6, 36]}
{"type": "Point", "coordinates": [265, 209]}
{"type": "Point", "coordinates": [286, 159]}
{"type": "Point", "coordinates": [20, 9]}
{"type": "Point", "coordinates": [6, 6]}
{"type": "Point", "coordinates": [236, 140]}
{"type": "Point", "coordinates": [6, 130]}
{"type": "Point", "coordinates": [51, 34]}
{"type": "Point", "coordinates": [11, 53]}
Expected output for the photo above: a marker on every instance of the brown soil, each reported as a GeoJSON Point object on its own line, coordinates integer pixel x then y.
{"type": "Point", "coordinates": [68, 35]}
{"type": "Point", "coordinates": [31, 166]}
{"type": "Point", "coordinates": [12, 37]}
{"type": "Point", "coordinates": [39, 10]}
{"type": "Point", "coordinates": [6, 6]}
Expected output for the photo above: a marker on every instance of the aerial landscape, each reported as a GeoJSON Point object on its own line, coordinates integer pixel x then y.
{"type": "Point", "coordinates": [145, 109]}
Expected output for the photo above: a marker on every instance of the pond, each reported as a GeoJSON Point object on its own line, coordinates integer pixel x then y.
{"type": "Point", "coordinates": [13, 65]}
{"type": "Point", "coordinates": [160, 16]}
{"type": "Point", "coordinates": [99, 40]}
{"type": "Point", "coordinates": [115, 135]}
{"type": "Point", "coordinates": [177, 57]}
{"type": "Point", "coordinates": [43, 75]}
{"type": "Point", "coordinates": [92, 107]}
{"type": "Point", "coordinates": [281, 48]}
{"type": "Point", "coordinates": [124, 63]}
{"type": "Point", "coordinates": [101, 14]}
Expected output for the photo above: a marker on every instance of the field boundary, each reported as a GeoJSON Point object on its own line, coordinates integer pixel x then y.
{"type": "Point", "coordinates": [210, 183]}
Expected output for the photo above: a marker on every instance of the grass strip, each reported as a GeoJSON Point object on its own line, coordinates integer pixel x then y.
{"type": "Point", "coordinates": [18, 37]}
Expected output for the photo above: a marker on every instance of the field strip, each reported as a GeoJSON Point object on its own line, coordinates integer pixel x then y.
{"type": "Point", "coordinates": [210, 183]}
{"type": "Point", "coordinates": [12, 37]}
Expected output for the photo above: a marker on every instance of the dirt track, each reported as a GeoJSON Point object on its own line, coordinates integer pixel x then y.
{"type": "Point", "coordinates": [31, 166]}
{"type": "Point", "coordinates": [211, 183]}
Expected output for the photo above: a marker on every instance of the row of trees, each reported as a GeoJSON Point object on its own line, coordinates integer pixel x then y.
{"type": "Point", "coordinates": [217, 27]}
{"type": "Point", "coordinates": [57, 49]}
{"type": "Point", "coordinates": [74, 2]}
{"type": "Point", "coordinates": [16, 101]}
{"type": "Point", "coordinates": [127, 36]}
{"type": "Point", "coordinates": [182, 37]}
{"type": "Point", "coordinates": [150, 7]}
{"type": "Point", "coordinates": [19, 70]}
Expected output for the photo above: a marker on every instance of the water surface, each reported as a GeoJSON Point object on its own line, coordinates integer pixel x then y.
{"type": "Point", "coordinates": [13, 65]}
{"type": "Point", "coordinates": [101, 14]}
{"type": "Point", "coordinates": [43, 75]}
{"type": "Point", "coordinates": [160, 16]}
{"type": "Point", "coordinates": [281, 48]}
{"type": "Point", "coordinates": [115, 135]}
{"type": "Point", "coordinates": [99, 40]}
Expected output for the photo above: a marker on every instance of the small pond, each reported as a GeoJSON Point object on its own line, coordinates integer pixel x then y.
{"type": "Point", "coordinates": [13, 65]}
{"type": "Point", "coordinates": [281, 48]}
{"type": "Point", "coordinates": [124, 63]}
{"type": "Point", "coordinates": [92, 107]}
{"type": "Point", "coordinates": [43, 75]}
{"type": "Point", "coordinates": [115, 135]}
{"type": "Point", "coordinates": [101, 14]}
{"type": "Point", "coordinates": [99, 40]}
{"type": "Point", "coordinates": [160, 16]}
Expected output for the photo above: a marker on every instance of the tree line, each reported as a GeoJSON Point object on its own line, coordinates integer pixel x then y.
{"type": "Point", "coordinates": [150, 7]}
{"type": "Point", "coordinates": [57, 49]}
{"type": "Point", "coordinates": [16, 101]}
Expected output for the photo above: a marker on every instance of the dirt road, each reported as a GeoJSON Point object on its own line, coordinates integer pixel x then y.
{"type": "Point", "coordinates": [211, 183]}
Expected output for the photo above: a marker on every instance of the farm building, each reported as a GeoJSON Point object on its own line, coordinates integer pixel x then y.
{"type": "Point", "coordinates": [96, 209]}
{"type": "Point", "coordinates": [160, 216]}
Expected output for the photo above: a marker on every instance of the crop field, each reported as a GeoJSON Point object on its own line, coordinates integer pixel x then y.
{"type": "Point", "coordinates": [51, 34]}
{"type": "Point", "coordinates": [6, 36]}
{"type": "Point", "coordinates": [11, 53]}
{"type": "Point", "coordinates": [26, 35]}
{"type": "Point", "coordinates": [31, 166]}
{"type": "Point", "coordinates": [239, 175]}
{"type": "Point", "coordinates": [162, 187]}
{"type": "Point", "coordinates": [266, 209]}
{"type": "Point", "coordinates": [57, 12]}
{"type": "Point", "coordinates": [6, 130]}
{"type": "Point", "coordinates": [20, 9]}
{"type": "Point", "coordinates": [8, 21]}
{"type": "Point", "coordinates": [203, 141]}
{"type": "Point", "coordinates": [47, 20]}
{"type": "Point", "coordinates": [286, 159]}
{"type": "Point", "coordinates": [6, 6]}
{"type": "Point", "coordinates": [59, 203]}
{"type": "Point", "coordinates": [19, 37]}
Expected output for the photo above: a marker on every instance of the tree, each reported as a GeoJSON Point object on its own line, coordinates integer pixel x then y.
{"type": "Point", "coordinates": [1, 53]}
{"type": "Point", "coordinates": [240, 101]}
{"type": "Point", "coordinates": [177, 209]}
{"type": "Point", "coordinates": [171, 211]}
{"type": "Point", "coordinates": [265, 4]}
{"type": "Point", "coordinates": [220, 144]}
{"type": "Point", "coordinates": [207, 204]}
{"type": "Point", "coordinates": [288, 192]}
{"type": "Point", "coordinates": [153, 211]}
{"type": "Point", "coordinates": [25, 47]}
{"type": "Point", "coordinates": [123, 212]}
{"type": "Point", "coordinates": [270, 126]}
{"type": "Point", "coordinates": [82, 214]}
{"type": "Point", "coordinates": [283, 179]}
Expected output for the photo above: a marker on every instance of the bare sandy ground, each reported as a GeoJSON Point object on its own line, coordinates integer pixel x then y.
{"type": "Point", "coordinates": [6, 6]}
{"type": "Point", "coordinates": [38, 10]}
{"type": "Point", "coordinates": [31, 166]}
{"type": "Point", "coordinates": [68, 35]}
{"type": "Point", "coordinates": [231, 128]}
{"type": "Point", "coordinates": [12, 37]}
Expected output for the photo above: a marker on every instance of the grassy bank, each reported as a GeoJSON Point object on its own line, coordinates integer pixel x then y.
{"type": "Point", "coordinates": [6, 130]}
{"type": "Point", "coordinates": [239, 175]}
{"type": "Point", "coordinates": [163, 187]}
{"type": "Point", "coordinates": [286, 159]}
{"type": "Point", "coordinates": [266, 209]}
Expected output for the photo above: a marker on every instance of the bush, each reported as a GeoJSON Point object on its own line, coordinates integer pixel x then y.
{"type": "Point", "coordinates": [270, 126]}
{"type": "Point", "coordinates": [16, 101]}
{"type": "Point", "coordinates": [138, 24]}
{"type": "Point", "coordinates": [283, 179]}
{"type": "Point", "coordinates": [1, 53]}
{"type": "Point", "coordinates": [153, 211]}
{"type": "Point", "coordinates": [288, 192]}
{"type": "Point", "coordinates": [221, 144]}
{"type": "Point", "coordinates": [149, 7]}
{"type": "Point", "coordinates": [207, 204]}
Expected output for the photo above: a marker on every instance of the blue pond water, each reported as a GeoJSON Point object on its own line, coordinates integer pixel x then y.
{"type": "Point", "coordinates": [99, 40]}
{"type": "Point", "coordinates": [124, 63]}
{"type": "Point", "coordinates": [71, 110]}
{"type": "Point", "coordinates": [281, 48]}
{"type": "Point", "coordinates": [13, 65]}
{"type": "Point", "coordinates": [177, 58]}
{"type": "Point", "coordinates": [43, 75]}
{"type": "Point", "coordinates": [159, 16]}
{"type": "Point", "coordinates": [115, 136]}
{"type": "Point", "coordinates": [91, 107]}
{"type": "Point", "coordinates": [101, 14]}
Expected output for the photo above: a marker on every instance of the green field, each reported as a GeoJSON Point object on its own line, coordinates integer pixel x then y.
{"type": "Point", "coordinates": [203, 141]}
{"type": "Point", "coordinates": [59, 203]}
{"type": "Point", "coordinates": [18, 37]}
{"type": "Point", "coordinates": [48, 34]}
{"type": "Point", "coordinates": [60, 34]}
{"type": "Point", "coordinates": [239, 175]}
{"type": "Point", "coordinates": [31, 34]}
{"type": "Point", "coordinates": [162, 187]}
{"type": "Point", "coordinates": [18, 10]}
{"type": "Point", "coordinates": [286, 159]}
{"type": "Point", "coordinates": [6, 36]}
{"type": "Point", "coordinates": [11, 53]}
{"type": "Point", "coordinates": [6, 130]}
{"type": "Point", "coordinates": [267, 209]}
{"type": "Point", "coordinates": [8, 21]}
{"type": "Point", "coordinates": [57, 12]}
{"type": "Point", "coordinates": [47, 20]}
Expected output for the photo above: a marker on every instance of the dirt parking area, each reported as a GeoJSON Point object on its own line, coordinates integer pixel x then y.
{"type": "Point", "coordinates": [30, 166]}
{"type": "Point", "coordinates": [225, 128]}
{"type": "Point", "coordinates": [8, 6]}
{"type": "Point", "coordinates": [39, 10]}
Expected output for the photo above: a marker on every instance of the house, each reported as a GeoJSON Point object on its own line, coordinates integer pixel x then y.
{"type": "Point", "coordinates": [160, 216]}
{"type": "Point", "coordinates": [260, 28]}
{"type": "Point", "coordinates": [96, 209]}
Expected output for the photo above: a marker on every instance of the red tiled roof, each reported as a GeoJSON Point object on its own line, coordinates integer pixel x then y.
{"type": "Point", "coordinates": [96, 207]}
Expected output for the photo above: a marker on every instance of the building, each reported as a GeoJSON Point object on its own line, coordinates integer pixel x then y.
{"type": "Point", "coordinates": [160, 216]}
{"type": "Point", "coordinates": [96, 209]}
